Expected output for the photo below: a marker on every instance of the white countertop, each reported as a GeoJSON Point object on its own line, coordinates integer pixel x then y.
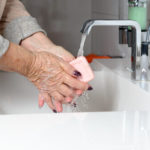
{"type": "Point", "coordinates": [75, 131]}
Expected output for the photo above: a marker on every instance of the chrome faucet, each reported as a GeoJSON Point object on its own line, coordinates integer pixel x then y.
{"type": "Point", "coordinates": [133, 39]}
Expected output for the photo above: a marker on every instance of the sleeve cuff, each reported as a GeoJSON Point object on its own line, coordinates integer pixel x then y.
{"type": "Point", "coordinates": [21, 28]}
{"type": "Point", "coordinates": [4, 45]}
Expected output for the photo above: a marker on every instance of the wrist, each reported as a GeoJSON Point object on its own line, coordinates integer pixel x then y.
{"type": "Point", "coordinates": [38, 42]}
{"type": "Point", "coordinates": [17, 59]}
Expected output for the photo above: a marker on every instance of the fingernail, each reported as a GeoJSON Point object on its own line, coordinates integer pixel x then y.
{"type": "Point", "coordinates": [74, 104]}
{"type": "Point", "coordinates": [77, 73]}
{"type": "Point", "coordinates": [90, 88]}
{"type": "Point", "coordinates": [41, 102]}
{"type": "Point", "coordinates": [54, 111]}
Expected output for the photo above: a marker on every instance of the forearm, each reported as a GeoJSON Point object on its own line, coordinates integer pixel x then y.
{"type": "Point", "coordinates": [16, 59]}
{"type": "Point", "coordinates": [38, 42]}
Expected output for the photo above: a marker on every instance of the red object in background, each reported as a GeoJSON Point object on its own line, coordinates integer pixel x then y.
{"type": "Point", "coordinates": [90, 57]}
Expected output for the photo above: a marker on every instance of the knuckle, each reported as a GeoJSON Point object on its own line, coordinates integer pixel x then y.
{"type": "Point", "coordinates": [59, 98]}
{"type": "Point", "coordinates": [70, 93]}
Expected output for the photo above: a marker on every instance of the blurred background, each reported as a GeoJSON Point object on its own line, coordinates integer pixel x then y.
{"type": "Point", "coordinates": [63, 19]}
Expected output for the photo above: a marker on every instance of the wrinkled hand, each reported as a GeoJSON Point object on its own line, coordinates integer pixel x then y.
{"type": "Point", "coordinates": [68, 57]}
{"type": "Point", "coordinates": [38, 42]}
{"type": "Point", "coordinates": [55, 79]}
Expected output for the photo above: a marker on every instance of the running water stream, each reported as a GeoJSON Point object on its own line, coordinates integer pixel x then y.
{"type": "Point", "coordinates": [84, 98]}
{"type": "Point", "coordinates": [81, 50]}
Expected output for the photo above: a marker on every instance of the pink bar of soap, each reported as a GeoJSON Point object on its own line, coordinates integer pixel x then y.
{"type": "Point", "coordinates": [81, 65]}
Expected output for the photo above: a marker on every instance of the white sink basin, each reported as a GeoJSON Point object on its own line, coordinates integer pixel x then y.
{"type": "Point", "coordinates": [76, 131]}
{"type": "Point", "coordinates": [111, 92]}
{"type": "Point", "coordinates": [114, 90]}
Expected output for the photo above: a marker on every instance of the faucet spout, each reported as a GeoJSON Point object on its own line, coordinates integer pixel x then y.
{"type": "Point", "coordinates": [136, 29]}
{"type": "Point", "coordinates": [89, 24]}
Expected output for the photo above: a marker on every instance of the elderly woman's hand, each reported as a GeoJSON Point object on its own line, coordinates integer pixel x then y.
{"type": "Point", "coordinates": [38, 42]}
{"type": "Point", "coordinates": [55, 79]}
